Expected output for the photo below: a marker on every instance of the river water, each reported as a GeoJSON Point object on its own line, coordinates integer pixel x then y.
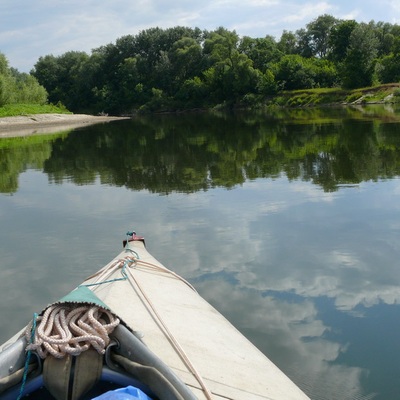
{"type": "Point", "coordinates": [288, 222]}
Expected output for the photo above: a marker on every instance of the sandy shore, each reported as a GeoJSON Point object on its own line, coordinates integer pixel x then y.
{"type": "Point", "coordinates": [48, 123]}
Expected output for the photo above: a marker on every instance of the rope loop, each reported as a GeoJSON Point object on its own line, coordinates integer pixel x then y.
{"type": "Point", "coordinates": [71, 329]}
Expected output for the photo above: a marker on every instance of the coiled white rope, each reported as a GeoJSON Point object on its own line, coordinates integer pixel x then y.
{"type": "Point", "coordinates": [69, 329]}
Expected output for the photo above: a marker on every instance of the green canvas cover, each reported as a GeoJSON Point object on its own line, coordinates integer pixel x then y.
{"type": "Point", "coordinates": [82, 295]}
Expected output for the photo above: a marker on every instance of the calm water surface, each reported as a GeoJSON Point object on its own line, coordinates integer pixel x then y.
{"type": "Point", "coordinates": [287, 223]}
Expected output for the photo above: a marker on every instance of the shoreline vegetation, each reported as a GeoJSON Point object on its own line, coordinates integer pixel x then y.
{"type": "Point", "coordinates": [379, 94]}
{"type": "Point", "coordinates": [22, 120]}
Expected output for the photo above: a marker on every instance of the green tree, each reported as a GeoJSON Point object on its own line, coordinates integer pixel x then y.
{"type": "Point", "coordinates": [91, 83]}
{"type": "Point", "coordinates": [16, 87]}
{"type": "Point", "coordinates": [326, 73]}
{"type": "Point", "coordinates": [47, 71]}
{"type": "Point", "coordinates": [28, 89]}
{"type": "Point", "coordinates": [193, 93]}
{"type": "Point", "coordinates": [7, 82]}
{"type": "Point", "coordinates": [261, 51]}
{"type": "Point", "coordinates": [104, 66]}
{"type": "Point", "coordinates": [319, 35]}
{"type": "Point", "coordinates": [359, 65]}
{"type": "Point", "coordinates": [294, 72]}
{"type": "Point", "coordinates": [267, 84]}
{"type": "Point", "coordinates": [71, 78]}
{"type": "Point", "coordinates": [232, 74]}
{"type": "Point", "coordinates": [221, 45]}
{"type": "Point", "coordinates": [385, 34]}
{"type": "Point", "coordinates": [152, 47]}
{"type": "Point", "coordinates": [7, 87]}
{"type": "Point", "coordinates": [303, 39]}
{"type": "Point", "coordinates": [4, 67]}
{"type": "Point", "coordinates": [62, 77]}
{"type": "Point", "coordinates": [187, 58]}
{"type": "Point", "coordinates": [389, 68]}
{"type": "Point", "coordinates": [340, 39]}
{"type": "Point", "coordinates": [287, 43]}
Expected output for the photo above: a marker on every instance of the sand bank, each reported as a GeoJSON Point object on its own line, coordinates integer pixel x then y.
{"type": "Point", "coordinates": [48, 123]}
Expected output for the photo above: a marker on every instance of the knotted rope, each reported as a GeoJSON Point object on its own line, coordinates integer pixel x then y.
{"type": "Point", "coordinates": [71, 329]}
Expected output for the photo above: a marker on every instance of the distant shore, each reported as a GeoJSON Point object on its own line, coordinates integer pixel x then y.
{"type": "Point", "coordinates": [48, 123]}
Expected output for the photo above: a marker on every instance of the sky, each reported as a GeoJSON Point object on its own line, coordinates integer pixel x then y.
{"type": "Point", "coordinates": [30, 29]}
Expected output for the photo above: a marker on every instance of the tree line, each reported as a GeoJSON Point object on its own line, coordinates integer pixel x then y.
{"type": "Point", "coordinates": [185, 68]}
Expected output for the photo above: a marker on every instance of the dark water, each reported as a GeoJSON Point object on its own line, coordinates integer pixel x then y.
{"type": "Point", "coordinates": [288, 223]}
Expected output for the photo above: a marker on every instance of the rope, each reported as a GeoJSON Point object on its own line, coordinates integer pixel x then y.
{"type": "Point", "coordinates": [166, 270]}
{"type": "Point", "coordinates": [123, 263]}
{"type": "Point", "coordinates": [138, 261]}
{"type": "Point", "coordinates": [28, 356]}
{"type": "Point", "coordinates": [109, 270]}
{"type": "Point", "coordinates": [126, 262]}
{"type": "Point", "coordinates": [178, 348]}
{"type": "Point", "coordinates": [68, 329]}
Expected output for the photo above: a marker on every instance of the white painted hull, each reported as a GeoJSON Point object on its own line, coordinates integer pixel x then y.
{"type": "Point", "coordinates": [230, 365]}
{"type": "Point", "coordinates": [186, 332]}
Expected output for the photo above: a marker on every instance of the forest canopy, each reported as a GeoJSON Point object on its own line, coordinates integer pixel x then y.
{"type": "Point", "coordinates": [184, 68]}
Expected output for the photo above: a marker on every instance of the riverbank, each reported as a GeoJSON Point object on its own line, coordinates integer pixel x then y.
{"type": "Point", "coordinates": [48, 123]}
{"type": "Point", "coordinates": [380, 94]}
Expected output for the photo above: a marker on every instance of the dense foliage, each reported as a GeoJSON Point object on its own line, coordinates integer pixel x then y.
{"type": "Point", "coordinates": [181, 67]}
{"type": "Point", "coordinates": [17, 87]}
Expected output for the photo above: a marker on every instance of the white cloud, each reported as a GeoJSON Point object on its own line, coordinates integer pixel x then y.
{"type": "Point", "coordinates": [285, 326]}
{"type": "Point", "coordinates": [395, 6]}
{"type": "Point", "coordinates": [308, 12]}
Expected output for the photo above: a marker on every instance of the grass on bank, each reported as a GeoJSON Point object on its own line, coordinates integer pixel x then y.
{"type": "Point", "coordinates": [319, 97]}
{"type": "Point", "coordinates": [13, 110]}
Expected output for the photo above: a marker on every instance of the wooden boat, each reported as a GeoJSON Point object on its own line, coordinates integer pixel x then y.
{"type": "Point", "coordinates": [137, 324]}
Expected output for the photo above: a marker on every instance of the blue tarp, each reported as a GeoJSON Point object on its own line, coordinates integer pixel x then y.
{"type": "Point", "coordinates": [127, 393]}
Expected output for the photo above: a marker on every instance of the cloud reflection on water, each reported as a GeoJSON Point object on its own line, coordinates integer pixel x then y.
{"type": "Point", "coordinates": [285, 262]}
